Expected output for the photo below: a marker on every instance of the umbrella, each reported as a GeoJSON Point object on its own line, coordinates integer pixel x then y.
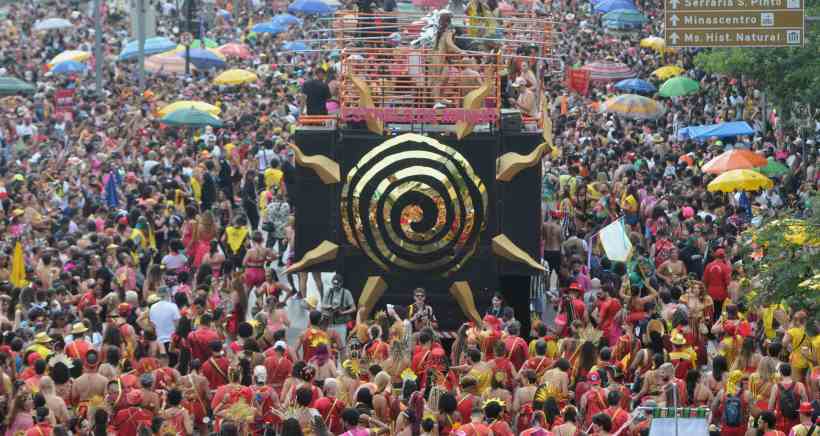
{"type": "Point", "coordinates": [209, 43]}
{"type": "Point", "coordinates": [184, 104]}
{"type": "Point", "coordinates": [605, 6]}
{"type": "Point", "coordinates": [192, 118]}
{"type": "Point", "coordinates": [311, 7]}
{"type": "Point", "coordinates": [624, 18]}
{"type": "Point", "coordinates": [739, 180]}
{"type": "Point", "coordinates": [235, 77]}
{"type": "Point", "coordinates": [773, 168]}
{"type": "Point", "coordinates": [286, 20]}
{"type": "Point", "coordinates": [52, 24]}
{"type": "Point", "coordinates": [70, 55]}
{"type": "Point", "coordinates": [167, 62]}
{"type": "Point", "coordinates": [269, 27]}
{"type": "Point", "coordinates": [655, 43]}
{"type": "Point", "coordinates": [734, 159]}
{"type": "Point", "coordinates": [668, 71]}
{"type": "Point", "coordinates": [633, 106]}
{"type": "Point", "coordinates": [69, 67]}
{"type": "Point", "coordinates": [13, 85]}
{"type": "Point", "coordinates": [235, 50]}
{"type": "Point", "coordinates": [153, 46]}
{"type": "Point", "coordinates": [607, 71]}
{"type": "Point", "coordinates": [295, 46]}
{"type": "Point", "coordinates": [635, 85]}
{"type": "Point", "coordinates": [204, 59]}
{"type": "Point", "coordinates": [679, 86]}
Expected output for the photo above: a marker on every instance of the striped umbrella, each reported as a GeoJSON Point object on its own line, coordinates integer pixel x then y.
{"type": "Point", "coordinates": [235, 50]}
{"type": "Point", "coordinates": [633, 106]}
{"type": "Point", "coordinates": [168, 63]}
{"type": "Point", "coordinates": [608, 71]}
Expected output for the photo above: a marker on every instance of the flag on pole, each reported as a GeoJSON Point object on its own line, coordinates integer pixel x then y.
{"type": "Point", "coordinates": [18, 267]}
{"type": "Point", "coordinates": [615, 241]}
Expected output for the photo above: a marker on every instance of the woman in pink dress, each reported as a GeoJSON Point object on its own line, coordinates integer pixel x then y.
{"type": "Point", "coordinates": [19, 418]}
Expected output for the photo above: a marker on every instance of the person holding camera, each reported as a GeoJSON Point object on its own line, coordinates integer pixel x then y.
{"type": "Point", "coordinates": [338, 305]}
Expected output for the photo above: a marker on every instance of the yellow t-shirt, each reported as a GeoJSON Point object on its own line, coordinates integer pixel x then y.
{"type": "Point", "coordinates": [273, 176]}
{"type": "Point", "coordinates": [799, 340]}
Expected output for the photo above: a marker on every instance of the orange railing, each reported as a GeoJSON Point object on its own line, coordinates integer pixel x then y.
{"type": "Point", "coordinates": [405, 78]}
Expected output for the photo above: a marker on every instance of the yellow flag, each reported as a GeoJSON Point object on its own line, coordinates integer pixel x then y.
{"type": "Point", "coordinates": [18, 267]}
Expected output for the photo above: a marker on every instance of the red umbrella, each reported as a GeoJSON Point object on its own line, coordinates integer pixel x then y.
{"type": "Point", "coordinates": [607, 71]}
{"type": "Point", "coordinates": [235, 50]}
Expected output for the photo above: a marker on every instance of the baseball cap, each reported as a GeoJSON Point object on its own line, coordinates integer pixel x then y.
{"type": "Point", "coordinates": [280, 344]}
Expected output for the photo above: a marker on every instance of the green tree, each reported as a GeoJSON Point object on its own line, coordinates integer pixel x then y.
{"type": "Point", "coordinates": [791, 256]}
{"type": "Point", "coordinates": [787, 74]}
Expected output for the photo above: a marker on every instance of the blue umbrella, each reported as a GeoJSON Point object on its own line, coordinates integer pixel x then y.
{"type": "Point", "coordinates": [269, 27]}
{"type": "Point", "coordinates": [624, 19]}
{"type": "Point", "coordinates": [69, 67]}
{"type": "Point", "coordinates": [286, 20]}
{"type": "Point", "coordinates": [153, 46]}
{"type": "Point", "coordinates": [635, 85]}
{"type": "Point", "coordinates": [295, 46]}
{"type": "Point", "coordinates": [605, 6]}
{"type": "Point", "coordinates": [310, 7]}
{"type": "Point", "coordinates": [203, 59]}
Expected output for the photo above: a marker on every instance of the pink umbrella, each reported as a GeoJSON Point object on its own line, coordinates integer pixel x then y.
{"type": "Point", "coordinates": [438, 4]}
{"type": "Point", "coordinates": [505, 7]}
{"type": "Point", "coordinates": [235, 50]}
{"type": "Point", "coordinates": [608, 71]}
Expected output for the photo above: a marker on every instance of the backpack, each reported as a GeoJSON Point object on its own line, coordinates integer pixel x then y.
{"type": "Point", "coordinates": [788, 401]}
{"type": "Point", "coordinates": [733, 410]}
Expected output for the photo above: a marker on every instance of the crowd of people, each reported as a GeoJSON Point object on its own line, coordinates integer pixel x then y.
{"type": "Point", "coordinates": [142, 266]}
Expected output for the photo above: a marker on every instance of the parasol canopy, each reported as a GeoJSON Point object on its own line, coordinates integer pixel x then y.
{"type": "Point", "coordinates": [605, 6]}
{"type": "Point", "coordinates": [773, 168]}
{"type": "Point", "coordinates": [70, 55]}
{"type": "Point", "coordinates": [185, 104]}
{"type": "Point", "coordinates": [235, 50]}
{"type": "Point", "coordinates": [678, 87]}
{"type": "Point", "coordinates": [167, 62]}
{"type": "Point", "coordinates": [204, 59]}
{"type": "Point", "coordinates": [13, 85]}
{"type": "Point", "coordinates": [286, 20]}
{"type": "Point", "coordinates": [235, 77]}
{"type": "Point", "coordinates": [191, 117]}
{"type": "Point", "coordinates": [69, 67]}
{"type": "Point", "coordinates": [209, 43]}
{"type": "Point", "coordinates": [311, 7]}
{"type": "Point", "coordinates": [633, 106]}
{"type": "Point", "coordinates": [295, 46]}
{"type": "Point", "coordinates": [734, 159]}
{"type": "Point", "coordinates": [52, 24]}
{"type": "Point", "coordinates": [153, 46]}
{"type": "Point", "coordinates": [654, 42]}
{"type": "Point", "coordinates": [635, 85]}
{"type": "Point", "coordinates": [606, 71]}
{"type": "Point", "coordinates": [668, 71]}
{"type": "Point", "coordinates": [624, 19]}
{"type": "Point", "coordinates": [740, 180]}
{"type": "Point", "coordinates": [269, 27]}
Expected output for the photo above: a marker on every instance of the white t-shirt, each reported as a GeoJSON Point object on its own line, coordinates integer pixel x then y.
{"type": "Point", "coordinates": [173, 263]}
{"type": "Point", "coordinates": [164, 314]}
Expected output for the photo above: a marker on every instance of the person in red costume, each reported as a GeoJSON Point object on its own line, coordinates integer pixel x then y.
{"type": "Point", "coordinates": [517, 349]}
{"type": "Point", "coordinates": [716, 278]}
{"type": "Point", "coordinates": [42, 426]}
{"type": "Point", "coordinates": [278, 366]}
{"type": "Point", "coordinates": [128, 421]}
{"type": "Point", "coordinates": [493, 412]}
{"type": "Point", "coordinates": [79, 346]}
{"type": "Point", "coordinates": [201, 338]}
{"type": "Point", "coordinates": [228, 395]}
{"type": "Point", "coordinates": [265, 400]}
{"type": "Point", "coordinates": [215, 369]}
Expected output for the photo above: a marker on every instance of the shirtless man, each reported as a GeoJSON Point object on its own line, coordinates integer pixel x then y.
{"type": "Point", "coordinates": [195, 392]}
{"type": "Point", "coordinates": [559, 377]}
{"type": "Point", "coordinates": [522, 400]}
{"type": "Point", "coordinates": [89, 385]}
{"type": "Point", "coordinates": [672, 270]}
{"type": "Point", "coordinates": [551, 234]}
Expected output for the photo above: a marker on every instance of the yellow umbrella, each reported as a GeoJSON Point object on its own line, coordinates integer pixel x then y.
{"type": "Point", "coordinates": [668, 71]}
{"type": "Point", "coordinates": [740, 180]}
{"type": "Point", "coordinates": [654, 42]}
{"type": "Point", "coordinates": [188, 104]}
{"type": "Point", "coordinates": [70, 55]}
{"type": "Point", "coordinates": [235, 77]}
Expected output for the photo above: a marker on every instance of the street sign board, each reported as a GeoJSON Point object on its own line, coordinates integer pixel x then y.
{"type": "Point", "coordinates": [734, 23]}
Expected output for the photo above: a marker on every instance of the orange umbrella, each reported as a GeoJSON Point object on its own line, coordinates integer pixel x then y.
{"type": "Point", "coordinates": [736, 159]}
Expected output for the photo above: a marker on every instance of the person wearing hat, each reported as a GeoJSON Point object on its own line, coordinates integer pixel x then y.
{"type": "Point", "coordinates": [807, 426]}
{"type": "Point", "coordinates": [128, 421]}
{"type": "Point", "coordinates": [682, 356]}
{"type": "Point", "coordinates": [265, 399]}
{"type": "Point", "coordinates": [339, 305]}
{"type": "Point", "coordinates": [716, 277]}
{"type": "Point", "coordinates": [594, 400]}
{"type": "Point", "coordinates": [88, 385]}
{"type": "Point", "coordinates": [78, 346]}
{"type": "Point", "coordinates": [41, 345]}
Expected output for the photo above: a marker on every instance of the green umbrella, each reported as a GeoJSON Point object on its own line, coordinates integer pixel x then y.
{"type": "Point", "coordinates": [209, 43]}
{"type": "Point", "coordinates": [774, 168]}
{"type": "Point", "coordinates": [192, 118]}
{"type": "Point", "coordinates": [678, 86]}
{"type": "Point", "coordinates": [12, 85]}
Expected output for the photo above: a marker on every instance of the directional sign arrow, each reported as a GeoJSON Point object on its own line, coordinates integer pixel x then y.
{"type": "Point", "coordinates": [674, 38]}
{"type": "Point", "coordinates": [674, 20]}
{"type": "Point", "coordinates": [674, 4]}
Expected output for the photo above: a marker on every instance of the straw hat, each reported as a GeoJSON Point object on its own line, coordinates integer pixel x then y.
{"type": "Point", "coordinates": [677, 339]}
{"type": "Point", "coordinates": [78, 328]}
{"type": "Point", "coordinates": [42, 338]}
{"type": "Point", "coordinates": [311, 302]}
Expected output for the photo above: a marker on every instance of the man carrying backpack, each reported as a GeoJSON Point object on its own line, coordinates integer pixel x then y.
{"type": "Point", "coordinates": [733, 403]}
{"type": "Point", "coordinates": [785, 399]}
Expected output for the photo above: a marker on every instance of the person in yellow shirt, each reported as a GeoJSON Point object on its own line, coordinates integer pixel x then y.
{"type": "Point", "coordinates": [797, 342]}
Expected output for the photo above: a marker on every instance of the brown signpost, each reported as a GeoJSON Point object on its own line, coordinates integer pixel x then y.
{"type": "Point", "coordinates": [734, 23]}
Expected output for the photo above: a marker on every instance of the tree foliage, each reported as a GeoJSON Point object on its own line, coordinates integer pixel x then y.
{"type": "Point", "coordinates": [791, 256]}
{"type": "Point", "coordinates": [786, 74]}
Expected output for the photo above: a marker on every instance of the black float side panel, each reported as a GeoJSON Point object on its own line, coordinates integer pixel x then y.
{"type": "Point", "coordinates": [519, 204]}
{"type": "Point", "coordinates": [315, 202]}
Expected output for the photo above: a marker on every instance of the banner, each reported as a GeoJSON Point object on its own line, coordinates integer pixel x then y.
{"type": "Point", "coordinates": [64, 104]}
{"type": "Point", "coordinates": [615, 241]}
{"type": "Point", "coordinates": [578, 80]}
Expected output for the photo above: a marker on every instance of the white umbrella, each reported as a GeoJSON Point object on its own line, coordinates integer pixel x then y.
{"type": "Point", "coordinates": [52, 24]}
